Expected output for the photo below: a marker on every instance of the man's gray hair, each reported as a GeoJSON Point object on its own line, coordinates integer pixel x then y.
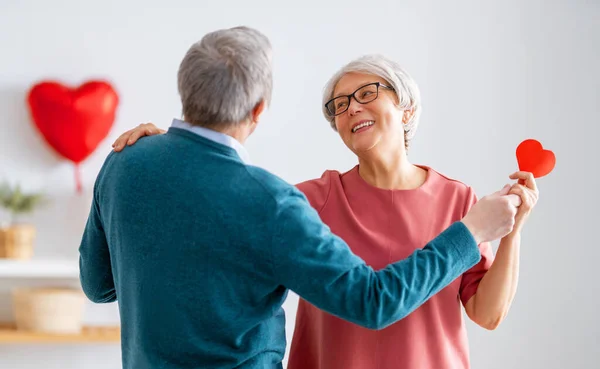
{"type": "Point", "coordinates": [404, 86]}
{"type": "Point", "coordinates": [224, 76]}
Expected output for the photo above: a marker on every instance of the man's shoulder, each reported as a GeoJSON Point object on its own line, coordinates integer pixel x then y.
{"type": "Point", "coordinates": [270, 183]}
{"type": "Point", "coordinates": [146, 149]}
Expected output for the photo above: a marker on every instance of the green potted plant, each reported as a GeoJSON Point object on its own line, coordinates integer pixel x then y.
{"type": "Point", "coordinates": [17, 237]}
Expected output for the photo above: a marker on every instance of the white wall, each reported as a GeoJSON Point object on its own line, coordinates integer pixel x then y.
{"type": "Point", "coordinates": [490, 76]}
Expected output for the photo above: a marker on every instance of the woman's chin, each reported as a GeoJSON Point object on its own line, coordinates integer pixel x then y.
{"type": "Point", "coordinates": [363, 146]}
{"type": "Point", "coordinates": [362, 143]}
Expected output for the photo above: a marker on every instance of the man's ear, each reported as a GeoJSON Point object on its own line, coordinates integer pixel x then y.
{"type": "Point", "coordinates": [258, 110]}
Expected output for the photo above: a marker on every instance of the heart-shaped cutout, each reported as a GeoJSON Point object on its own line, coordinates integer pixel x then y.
{"type": "Point", "coordinates": [532, 157]}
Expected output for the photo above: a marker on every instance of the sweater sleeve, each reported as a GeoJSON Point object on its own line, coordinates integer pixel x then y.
{"type": "Point", "coordinates": [320, 267]}
{"type": "Point", "coordinates": [95, 271]}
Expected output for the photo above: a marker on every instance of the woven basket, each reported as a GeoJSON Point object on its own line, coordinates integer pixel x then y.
{"type": "Point", "coordinates": [16, 241]}
{"type": "Point", "coordinates": [48, 310]}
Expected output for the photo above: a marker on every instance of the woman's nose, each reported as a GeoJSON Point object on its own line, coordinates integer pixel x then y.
{"type": "Point", "coordinates": [354, 107]}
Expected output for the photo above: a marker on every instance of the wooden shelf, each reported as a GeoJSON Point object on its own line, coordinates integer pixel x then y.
{"type": "Point", "coordinates": [39, 268]}
{"type": "Point", "coordinates": [10, 335]}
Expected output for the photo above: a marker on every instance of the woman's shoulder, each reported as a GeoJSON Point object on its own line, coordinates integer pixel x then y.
{"type": "Point", "coordinates": [454, 191]}
{"type": "Point", "coordinates": [451, 186]}
{"type": "Point", "coordinates": [446, 180]}
{"type": "Point", "coordinates": [317, 190]}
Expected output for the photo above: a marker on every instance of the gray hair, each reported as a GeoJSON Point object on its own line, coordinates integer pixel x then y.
{"type": "Point", "coordinates": [404, 86]}
{"type": "Point", "coordinates": [223, 76]}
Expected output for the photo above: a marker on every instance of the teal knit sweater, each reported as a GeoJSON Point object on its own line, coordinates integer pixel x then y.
{"type": "Point", "coordinates": [200, 251]}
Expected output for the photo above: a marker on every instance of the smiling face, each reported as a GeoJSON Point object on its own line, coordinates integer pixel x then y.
{"type": "Point", "coordinates": [376, 125]}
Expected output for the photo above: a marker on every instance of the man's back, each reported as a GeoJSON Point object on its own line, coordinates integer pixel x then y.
{"type": "Point", "coordinates": [188, 227]}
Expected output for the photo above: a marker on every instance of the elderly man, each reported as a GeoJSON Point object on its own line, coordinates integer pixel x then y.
{"type": "Point", "coordinates": [200, 248]}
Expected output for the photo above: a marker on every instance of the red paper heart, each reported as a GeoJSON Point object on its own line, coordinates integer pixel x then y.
{"type": "Point", "coordinates": [532, 157]}
{"type": "Point", "coordinates": [73, 120]}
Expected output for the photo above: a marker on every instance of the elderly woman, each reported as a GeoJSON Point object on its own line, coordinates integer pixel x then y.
{"type": "Point", "coordinates": [395, 207]}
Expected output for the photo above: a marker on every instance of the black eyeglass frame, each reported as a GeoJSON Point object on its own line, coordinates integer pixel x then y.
{"type": "Point", "coordinates": [353, 95]}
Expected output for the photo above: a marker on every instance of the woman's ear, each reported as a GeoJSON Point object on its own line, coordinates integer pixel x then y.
{"type": "Point", "coordinates": [407, 115]}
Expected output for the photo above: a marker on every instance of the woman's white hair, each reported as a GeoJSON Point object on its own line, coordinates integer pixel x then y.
{"type": "Point", "coordinates": [404, 86]}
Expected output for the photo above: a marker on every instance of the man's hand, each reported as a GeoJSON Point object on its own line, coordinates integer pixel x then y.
{"type": "Point", "coordinates": [493, 216]}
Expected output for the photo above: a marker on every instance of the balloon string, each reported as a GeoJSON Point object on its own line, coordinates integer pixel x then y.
{"type": "Point", "coordinates": [78, 177]}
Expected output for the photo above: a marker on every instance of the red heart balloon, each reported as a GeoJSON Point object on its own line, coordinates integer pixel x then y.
{"type": "Point", "coordinates": [73, 120]}
{"type": "Point", "coordinates": [532, 157]}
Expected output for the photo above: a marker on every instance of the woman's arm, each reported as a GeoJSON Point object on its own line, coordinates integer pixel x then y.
{"type": "Point", "coordinates": [497, 289]}
{"type": "Point", "coordinates": [134, 134]}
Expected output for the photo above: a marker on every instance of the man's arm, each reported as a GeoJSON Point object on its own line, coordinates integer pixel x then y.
{"type": "Point", "coordinates": [95, 271]}
{"type": "Point", "coordinates": [319, 266]}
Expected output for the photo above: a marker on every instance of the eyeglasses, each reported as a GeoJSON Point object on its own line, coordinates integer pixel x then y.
{"type": "Point", "coordinates": [363, 95]}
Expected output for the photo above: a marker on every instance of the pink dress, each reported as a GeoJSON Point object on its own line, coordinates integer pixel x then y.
{"type": "Point", "coordinates": [384, 226]}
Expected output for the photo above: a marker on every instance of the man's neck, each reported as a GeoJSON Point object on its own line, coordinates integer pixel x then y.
{"type": "Point", "coordinates": [239, 131]}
